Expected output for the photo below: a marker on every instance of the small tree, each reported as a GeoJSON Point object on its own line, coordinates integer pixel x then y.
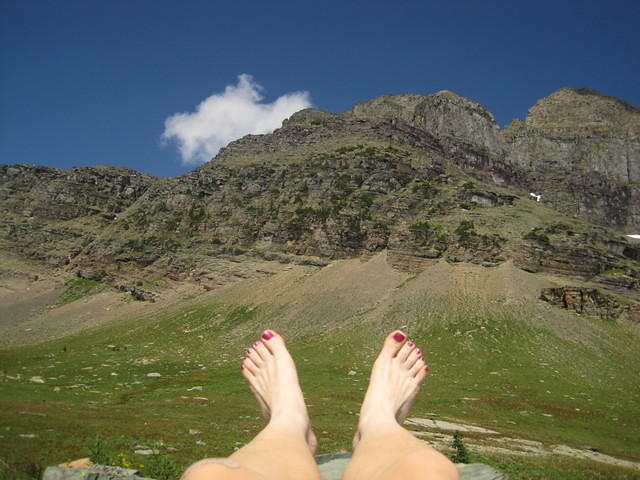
{"type": "Point", "coordinates": [460, 453]}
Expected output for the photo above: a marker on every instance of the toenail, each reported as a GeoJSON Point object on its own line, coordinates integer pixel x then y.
{"type": "Point", "coordinates": [242, 367]}
{"type": "Point", "coordinates": [426, 368]}
{"type": "Point", "coordinates": [255, 344]}
{"type": "Point", "coordinates": [422, 357]}
{"type": "Point", "coordinates": [418, 351]}
{"type": "Point", "coordinates": [267, 335]}
{"type": "Point", "coordinates": [399, 337]}
{"type": "Point", "coordinates": [249, 350]}
{"type": "Point", "coordinates": [409, 344]}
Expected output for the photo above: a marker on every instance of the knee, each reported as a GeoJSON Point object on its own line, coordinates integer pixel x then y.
{"type": "Point", "coordinates": [210, 469]}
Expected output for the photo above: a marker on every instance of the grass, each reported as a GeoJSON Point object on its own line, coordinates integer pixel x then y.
{"type": "Point", "coordinates": [529, 382]}
{"type": "Point", "coordinates": [77, 288]}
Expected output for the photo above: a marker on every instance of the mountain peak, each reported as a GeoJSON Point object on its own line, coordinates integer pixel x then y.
{"type": "Point", "coordinates": [582, 110]}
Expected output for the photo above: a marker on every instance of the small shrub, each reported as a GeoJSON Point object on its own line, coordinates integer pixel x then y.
{"type": "Point", "coordinates": [197, 214]}
{"type": "Point", "coordinates": [370, 151]}
{"type": "Point", "coordinates": [465, 230]}
{"type": "Point", "coordinates": [378, 225]}
{"type": "Point", "coordinates": [538, 236]}
{"type": "Point", "coordinates": [172, 222]}
{"type": "Point", "coordinates": [161, 467]}
{"type": "Point", "coordinates": [420, 226]}
{"type": "Point", "coordinates": [100, 452]}
{"type": "Point", "coordinates": [366, 199]}
{"type": "Point", "coordinates": [460, 453]}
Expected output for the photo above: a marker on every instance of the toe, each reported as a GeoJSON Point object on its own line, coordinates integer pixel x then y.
{"type": "Point", "coordinates": [406, 350]}
{"type": "Point", "coordinates": [255, 357]}
{"type": "Point", "coordinates": [249, 366]}
{"type": "Point", "coordinates": [412, 358]}
{"type": "Point", "coordinates": [417, 366]}
{"type": "Point", "coordinates": [422, 373]}
{"type": "Point", "coordinates": [394, 342]}
{"type": "Point", "coordinates": [272, 341]}
{"type": "Point", "coordinates": [262, 351]}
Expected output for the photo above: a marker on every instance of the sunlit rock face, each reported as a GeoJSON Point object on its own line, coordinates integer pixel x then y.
{"type": "Point", "coordinates": [582, 149]}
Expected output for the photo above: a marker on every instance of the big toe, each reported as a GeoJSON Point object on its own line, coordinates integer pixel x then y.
{"type": "Point", "coordinates": [393, 343]}
{"type": "Point", "coordinates": [273, 341]}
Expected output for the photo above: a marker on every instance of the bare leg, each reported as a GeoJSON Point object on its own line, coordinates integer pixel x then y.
{"type": "Point", "coordinates": [284, 448]}
{"type": "Point", "coordinates": [383, 450]}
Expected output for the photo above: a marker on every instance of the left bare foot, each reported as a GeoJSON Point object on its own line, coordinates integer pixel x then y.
{"type": "Point", "coordinates": [273, 379]}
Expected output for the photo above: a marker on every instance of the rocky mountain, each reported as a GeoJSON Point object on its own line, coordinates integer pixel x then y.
{"type": "Point", "coordinates": [424, 177]}
{"type": "Point", "coordinates": [51, 214]}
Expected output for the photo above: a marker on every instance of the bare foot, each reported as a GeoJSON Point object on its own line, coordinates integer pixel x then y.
{"type": "Point", "coordinates": [273, 379]}
{"type": "Point", "coordinates": [396, 377]}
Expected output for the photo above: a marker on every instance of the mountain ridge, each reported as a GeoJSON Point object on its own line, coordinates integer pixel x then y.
{"type": "Point", "coordinates": [426, 177]}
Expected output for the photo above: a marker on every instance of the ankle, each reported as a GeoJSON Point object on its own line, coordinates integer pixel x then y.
{"type": "Point", "coordinates": [297, 422]}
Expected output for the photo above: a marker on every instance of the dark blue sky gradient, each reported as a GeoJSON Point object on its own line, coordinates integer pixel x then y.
{"type": "Point", "coordinates": [87, 82]}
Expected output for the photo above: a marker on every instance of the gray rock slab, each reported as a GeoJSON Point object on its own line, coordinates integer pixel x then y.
{"type": "Point", "coordinates": [94, 472]}
{"type": "Point", "coordinates": [479, 471]}
{"type": "Point", "coordinates": [332, 466]}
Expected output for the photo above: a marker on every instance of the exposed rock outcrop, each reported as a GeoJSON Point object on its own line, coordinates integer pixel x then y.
{"type": "Point", "coordinates": [581, 150]}
{"type": "Point", "coordinates": [51, 214]}
{"type": "Point", "coordinates": [588, 301]}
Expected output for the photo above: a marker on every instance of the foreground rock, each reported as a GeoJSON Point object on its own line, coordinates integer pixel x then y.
{"type": "Point", "coordinates": [93, 472]}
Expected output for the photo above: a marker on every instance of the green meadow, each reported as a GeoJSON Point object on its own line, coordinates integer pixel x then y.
{"type": "Point", "coordinates": [168, 380]}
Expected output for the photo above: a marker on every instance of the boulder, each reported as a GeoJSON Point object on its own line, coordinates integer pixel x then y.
{"type": "Point", "coordinates": [93, 472]}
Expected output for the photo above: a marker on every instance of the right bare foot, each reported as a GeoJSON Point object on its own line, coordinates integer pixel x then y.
{"type": "Point", "coordinates": [397, 375]}
{"type": "Point", "coordinates": [272, 377]}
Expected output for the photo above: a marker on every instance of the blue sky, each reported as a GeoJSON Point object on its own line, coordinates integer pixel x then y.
{"type": "Point", "coordinates": [92, 82]}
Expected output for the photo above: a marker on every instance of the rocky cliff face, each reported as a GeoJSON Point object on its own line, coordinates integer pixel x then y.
{"type": "Point", "coordinates": [582, 150]}
{"type": "Point", "coordinates": [425, 177]}
{"type": "Point", "coordinates": [578, 148]}
{"type": "Point", "coordinates": [51, 214]}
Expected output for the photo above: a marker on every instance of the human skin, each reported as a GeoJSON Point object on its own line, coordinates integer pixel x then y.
{"type": "Point", "coordinates": [284, 449]}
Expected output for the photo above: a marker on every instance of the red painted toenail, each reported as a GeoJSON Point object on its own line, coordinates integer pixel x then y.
{"type": "Point", "coordinates": [267, 335]}
{"type": "Point", "coordinates": [422, 358]}
{"type": "Point", "coordinates": [249, 350]}
{"type": "Point", "coordinates": [426, 368]}
{"type": "Point", "coordinates": [399, 337]}
{"type": "Point", "coordinates": [255, 344]}
{"type": "Point", "coordinates": [418, 351]}
{"type": "Point", "coordinates": [241, 367]}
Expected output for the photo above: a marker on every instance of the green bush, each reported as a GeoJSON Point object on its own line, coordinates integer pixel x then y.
{"type": "Point", "coordinates": [420, 226]}
{"type": "Point", "coordinates": [460, 453]}
{"type": "Point", "coordinates": [538, 236]}
{"type": "Point", "coordinates": [197, 214]}
{"type": "Point", "coordinates": [465, 230]}
{"type": "Point", "coordinates": [100, 452]}
{"type": "Point", "coordinates": [161, 467]}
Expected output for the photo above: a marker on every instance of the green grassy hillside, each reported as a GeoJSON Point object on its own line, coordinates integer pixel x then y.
{"type": "Point", "coordinates": [500, 359]}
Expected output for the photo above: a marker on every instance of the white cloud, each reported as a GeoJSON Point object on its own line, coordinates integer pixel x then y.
{"type": "Point", "coordinates": [227, 116]}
